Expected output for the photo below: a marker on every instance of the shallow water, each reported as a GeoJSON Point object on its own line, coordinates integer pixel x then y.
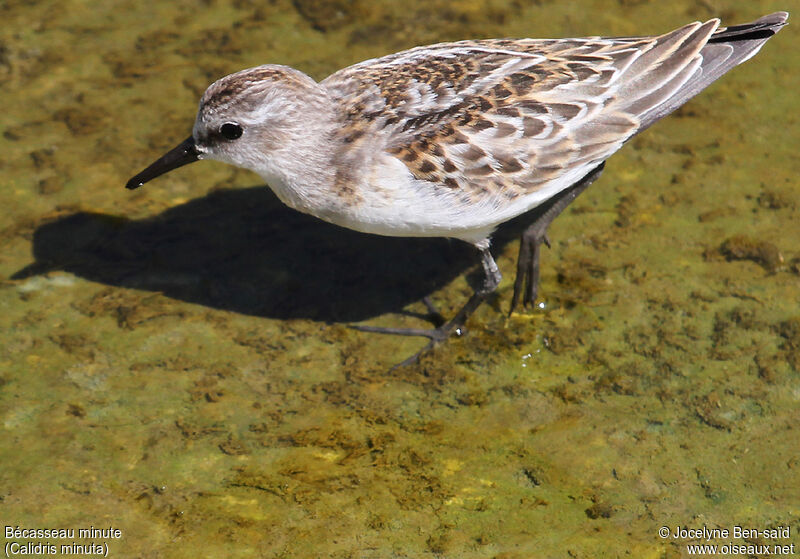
{"type": "Point", "coordinates": [175, 361]}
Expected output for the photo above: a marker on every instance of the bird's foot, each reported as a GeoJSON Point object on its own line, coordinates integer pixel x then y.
{"type": "Point", "coordinates": [435, 335]}
{"type": "Point", "coordinates": [454, 326]}
{"type": "Point", "coordinates": [527, 282]}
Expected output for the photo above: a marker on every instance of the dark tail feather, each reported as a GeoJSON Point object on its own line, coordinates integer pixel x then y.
{"type": "Point", "coordinates": [726, 48]}
{"type": "Point", "coordinates": [760, 29]}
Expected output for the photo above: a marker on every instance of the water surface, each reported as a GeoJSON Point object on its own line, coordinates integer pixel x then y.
{"type": "Point", "coordinates": [175, 361]}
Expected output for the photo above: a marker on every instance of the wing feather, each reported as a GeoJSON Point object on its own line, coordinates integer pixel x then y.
{"type": "Point", "coordinates": [486, 118]}
{"type": "Point", "coordinates": [505, 118]}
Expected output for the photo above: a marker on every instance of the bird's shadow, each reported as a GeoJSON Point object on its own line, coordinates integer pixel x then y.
{"type": "Point", "coordinates": [242, 250]}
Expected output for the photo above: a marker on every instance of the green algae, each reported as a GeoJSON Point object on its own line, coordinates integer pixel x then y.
{"type": "Point", "coordinates": [175, 361]}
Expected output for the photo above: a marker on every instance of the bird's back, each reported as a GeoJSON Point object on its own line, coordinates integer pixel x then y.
{"type": "Point", "coordinates": [492, 128]}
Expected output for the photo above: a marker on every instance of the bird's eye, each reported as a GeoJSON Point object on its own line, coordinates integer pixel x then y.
{"type": "Point", "coordinates": [230, 131]}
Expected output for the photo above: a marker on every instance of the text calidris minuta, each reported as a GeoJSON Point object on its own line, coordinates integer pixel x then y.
{"type": "Point", "coordinates": [453, 139]}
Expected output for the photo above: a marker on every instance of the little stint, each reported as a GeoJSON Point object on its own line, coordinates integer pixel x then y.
{"type": "Point", "coordinates": [453, 139]}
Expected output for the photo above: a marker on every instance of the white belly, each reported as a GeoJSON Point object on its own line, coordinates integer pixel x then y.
{"type": "Point", "coordinates": [390, 201]}
{"type": "Point", "coordinates": [396, 204]}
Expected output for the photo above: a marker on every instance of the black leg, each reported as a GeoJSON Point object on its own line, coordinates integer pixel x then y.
{"type": "Point", "coordinates": [491, 279]}
{"type": "Point", "coordinates": [433, 315]}
{"type": "Point", "coordinates": [527, 282]}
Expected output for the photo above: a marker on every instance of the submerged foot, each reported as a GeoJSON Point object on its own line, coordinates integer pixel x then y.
{"type": "Point", "coordinates": [454, 326]}
{"type": "Point", "coordinates": [526, 285]}
{"type": "Point", "coordinates": [435, 335]}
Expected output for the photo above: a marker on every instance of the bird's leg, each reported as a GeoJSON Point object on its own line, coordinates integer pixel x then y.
{"type": "Point", "coordinates": [527, 281]}
{"type": "Point", "coordinates": [491, 279]}
{"type": "Point", "coordinates": [433, 316]}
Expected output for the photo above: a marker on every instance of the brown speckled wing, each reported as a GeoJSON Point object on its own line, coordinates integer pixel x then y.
{"type": "Point", "coordinates": [505, 117]}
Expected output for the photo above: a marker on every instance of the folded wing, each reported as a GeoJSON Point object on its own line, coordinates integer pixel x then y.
{"type": "Point", "coordinates": [502, 119]}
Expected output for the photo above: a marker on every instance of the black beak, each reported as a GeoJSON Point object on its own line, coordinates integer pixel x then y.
{"type": "Point", "coordinates": [182, 154]}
